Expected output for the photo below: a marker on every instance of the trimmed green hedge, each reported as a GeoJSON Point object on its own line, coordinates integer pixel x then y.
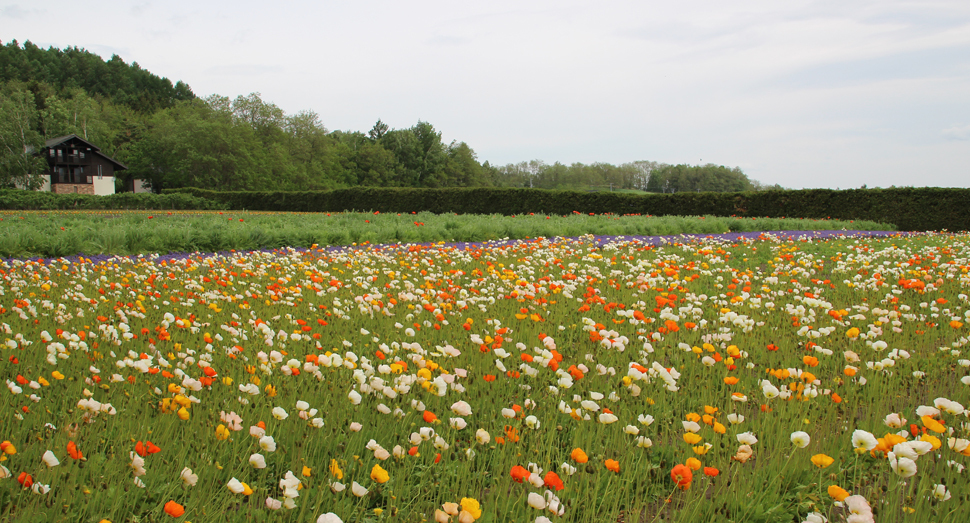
{"type": "Point", "coordinates": [910, 209]}
{"type": "Point", "coordinates": [13, 199]}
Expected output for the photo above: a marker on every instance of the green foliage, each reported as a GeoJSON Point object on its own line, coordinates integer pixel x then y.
{"type": "Point", "coordinates": [32, 200]}
{"type": "Point", "coordinates": [73, 68]}
{"type": "Point", "coordinates": [909, 209]}
{"type": "Point", "coordinates": [18, 140]}
{"type": "Point", "coordinates": [700, 178]}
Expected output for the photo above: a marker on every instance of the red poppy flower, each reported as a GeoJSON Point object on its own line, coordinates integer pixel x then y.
{"type": "Point", "coordinates": [25, 480]}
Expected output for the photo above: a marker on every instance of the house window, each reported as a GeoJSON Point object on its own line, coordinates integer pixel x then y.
{"type": "Point", "coordinates": [100, 175]}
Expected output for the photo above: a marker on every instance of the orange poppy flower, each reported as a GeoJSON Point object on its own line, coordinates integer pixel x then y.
{"type": "Point", "coordinates": [520, 473]}
{"type": "Point", "coordinates": [174, 509]}
{"type": "Point", "coordinates": [429, 417]}
{"type": "Point", "coordinates": [512, 433]}
{"type": "Point", "coordinates": [579, 456]}
{"type": "Point", "coordinates": [682, 476]}
{"type": "Point", "coordinates": [553, 480]}
{"type": "Point", "coordinates": [613, 465]}
{"type": "Point", "coordinates": [73, 451]}
{"type": "Point", "coordinates": [711, 471]}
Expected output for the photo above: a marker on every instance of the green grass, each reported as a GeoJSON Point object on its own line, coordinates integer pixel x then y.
{"type": "Point", "coordinates": [55, 234]}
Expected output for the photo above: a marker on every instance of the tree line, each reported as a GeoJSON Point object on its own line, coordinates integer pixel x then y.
{"type": "Point", "coordinates": [170, 137]}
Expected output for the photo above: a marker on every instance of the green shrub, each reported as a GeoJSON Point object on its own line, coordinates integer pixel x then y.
{"type": "Point", "coordinates": [908, 208]}
{"type": "Point", "coordinates": [48, 201]}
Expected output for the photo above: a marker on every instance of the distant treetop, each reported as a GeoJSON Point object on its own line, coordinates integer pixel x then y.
{"type": "Point", "coordinates": [73, 67]}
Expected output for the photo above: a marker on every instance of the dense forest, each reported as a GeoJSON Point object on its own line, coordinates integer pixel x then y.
{"type": "Point", "coordinates": [170, 137]}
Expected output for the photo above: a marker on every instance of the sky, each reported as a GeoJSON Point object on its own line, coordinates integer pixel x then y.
{"type": "Point", "coordinates": [805, 94]}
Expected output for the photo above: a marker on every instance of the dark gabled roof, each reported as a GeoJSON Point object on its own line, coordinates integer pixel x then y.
{"type": "Point", "coordinates": [54, 142]}
{"type": "Point", "coordinates": [61, 139]}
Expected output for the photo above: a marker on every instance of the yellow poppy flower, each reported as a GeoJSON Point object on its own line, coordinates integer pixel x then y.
{"type": "Point", "coordinates": [821, 460]}
{"type": "Point", "coordinates": [838, 493]}
{"type": "Point", "coordinates": [471, 506]}
{"type": "Point", "coordinates": [379, 475]}
{"type": "Point", "coordinates": [933, 424]}
{"type": "Point", "coordinates": [933, 440]}
{"type": "Point", "coordinates": [335, 469]}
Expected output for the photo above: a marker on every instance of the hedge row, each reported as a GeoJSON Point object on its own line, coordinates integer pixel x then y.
{"type": "Point", "coordinates": [910, 209]}
{"type": "Point", "coordinates": [13, 199]}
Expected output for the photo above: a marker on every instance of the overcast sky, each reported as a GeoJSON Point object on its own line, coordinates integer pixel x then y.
{"type": "Point", "coordinates": [800, 93]}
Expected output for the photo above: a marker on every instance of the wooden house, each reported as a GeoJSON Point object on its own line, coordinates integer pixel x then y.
{"type": "Point", "coordinates": [78, 166]}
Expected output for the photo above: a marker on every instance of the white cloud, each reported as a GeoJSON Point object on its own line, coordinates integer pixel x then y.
{"type": "Point", "coordinates": [15, 11]}
{"type": "Point", "coordinates": [957, 133]}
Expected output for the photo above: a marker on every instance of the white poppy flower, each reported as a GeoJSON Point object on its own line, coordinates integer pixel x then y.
{"type": "Point", "coordinates": [800, 439]}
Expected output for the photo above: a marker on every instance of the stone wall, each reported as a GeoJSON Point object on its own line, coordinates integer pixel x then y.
{"type": "Point", "coordinates": [72, 188]}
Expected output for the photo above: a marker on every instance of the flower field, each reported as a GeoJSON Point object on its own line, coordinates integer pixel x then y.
{"type": "Point", "coordinates": [768, 379]}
